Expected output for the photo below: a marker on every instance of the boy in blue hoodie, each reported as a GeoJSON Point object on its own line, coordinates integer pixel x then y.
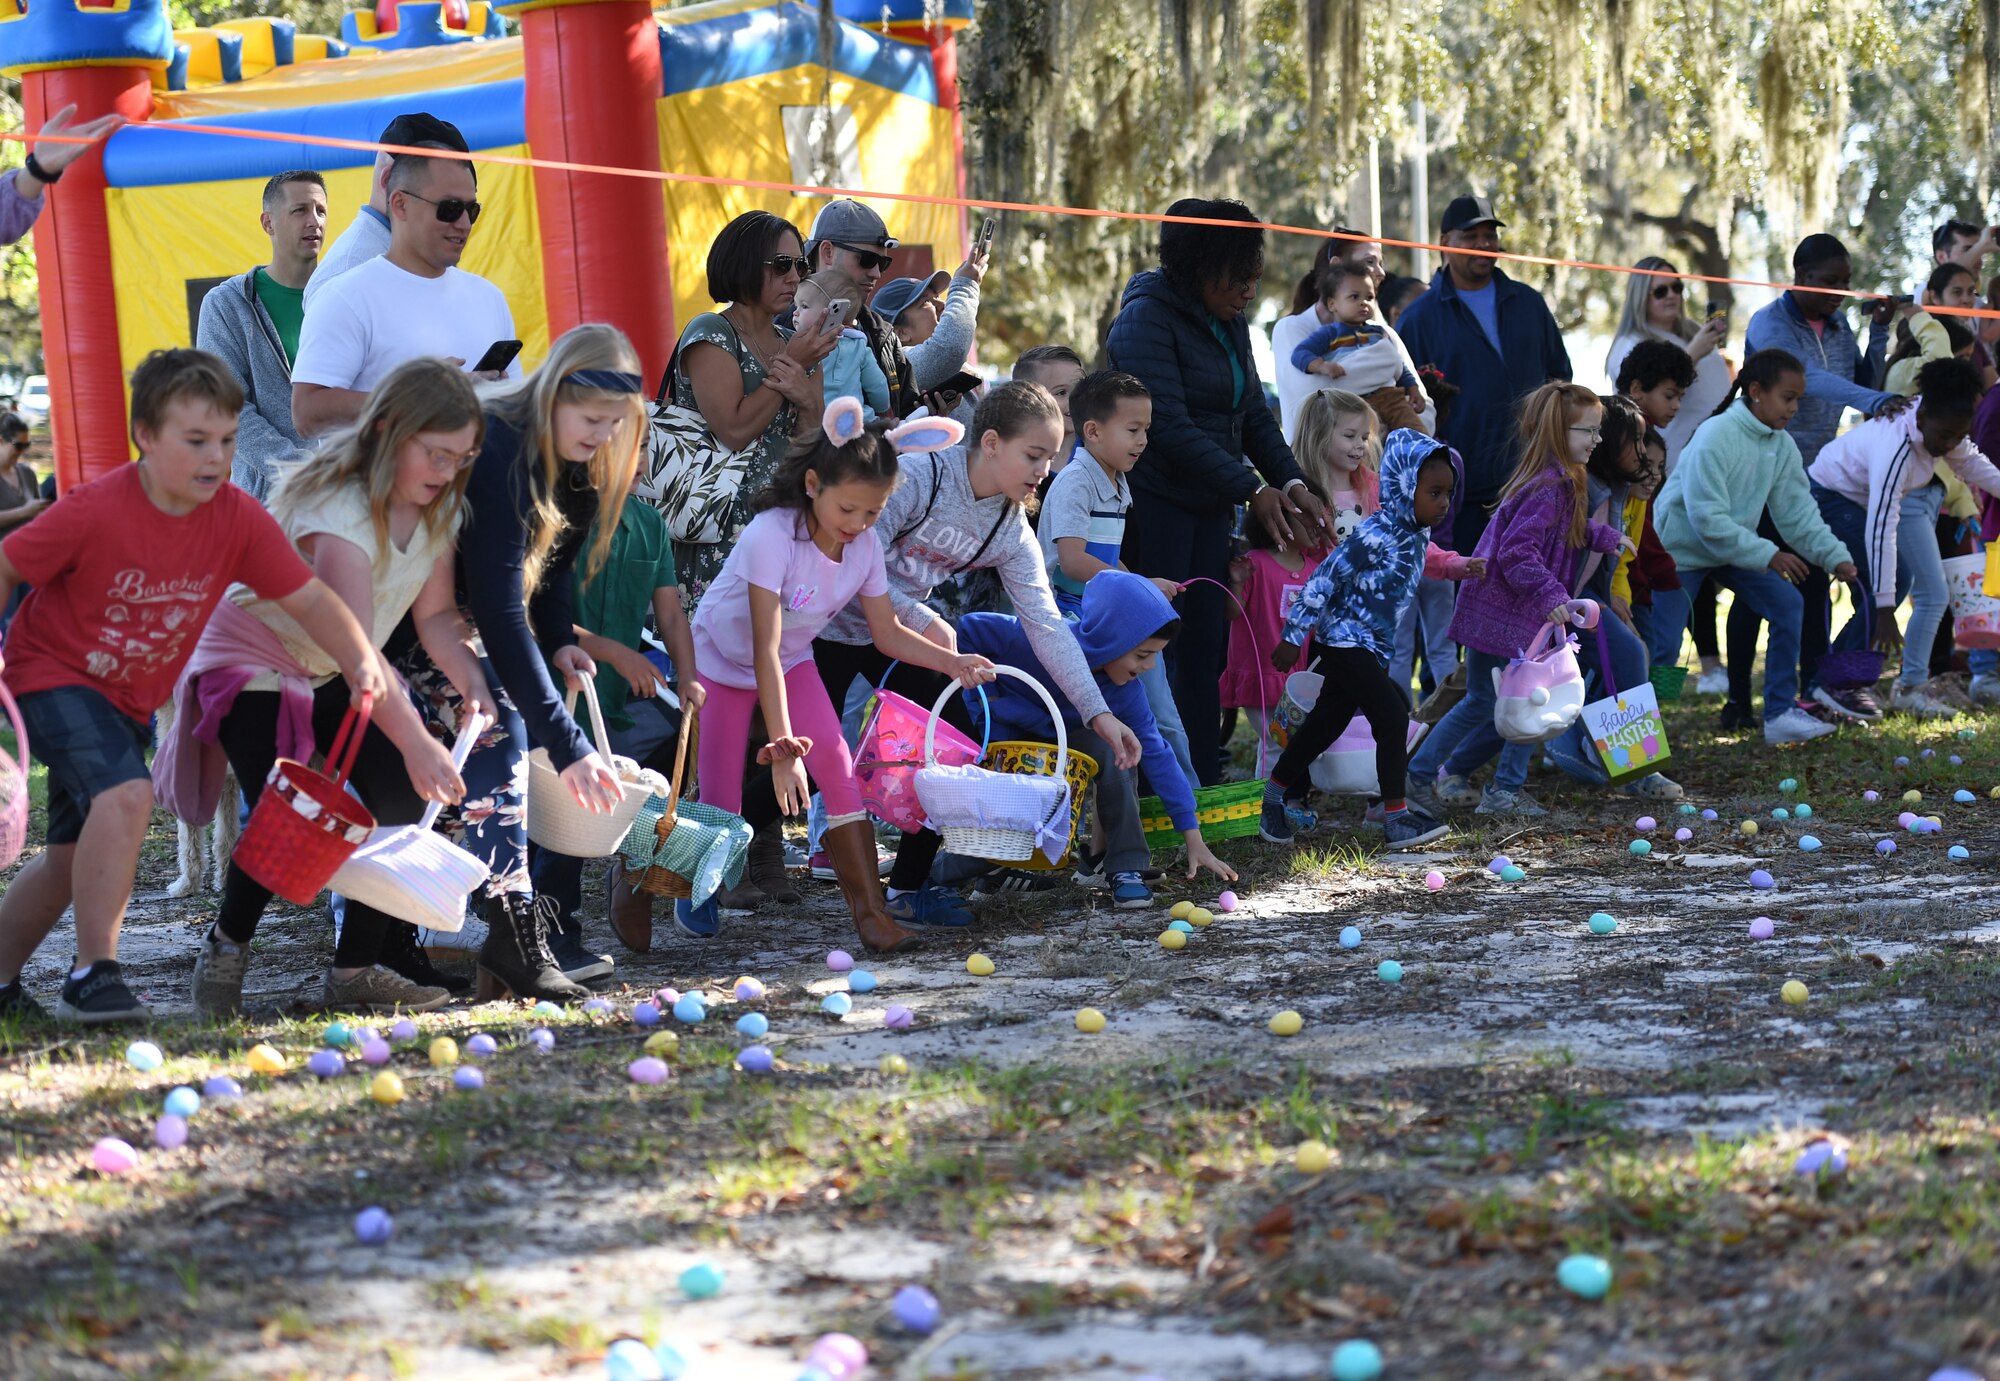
{"type": "Point", "coordinates": [1125, 622]}
{"type": "Point", "coordinates": [1349, 607]}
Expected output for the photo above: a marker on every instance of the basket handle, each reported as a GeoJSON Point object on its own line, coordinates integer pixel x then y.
{"type": "Point", "coordinates": [601, 740]}
{"type": "Point", "coordinates": [951, 687]}
{"type": "Point", "coordinates": [1864, 604]}
{"type": "Point", "coordinates": [690, 735]}
{"type": "Point", "coordinates": [461, 749]}
{"type": "Point", "coordinates": [21, 730]}
{"type": "Point", "coordinates": [353, 728]}
{"type": "Point", "coordinates": [985, 734]}
{"type": "Point", "coordinates": [1256, 656]}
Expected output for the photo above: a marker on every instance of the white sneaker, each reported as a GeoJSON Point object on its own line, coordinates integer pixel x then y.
{"type": "Point", "coordinates": [1714, 682]}
{"type": "Point", "coordinates": [1457, 793]}
{"type": "Point", "coordinates": [1795, 726]}
{"type": "Point", "coordinates": [1656, 786]}
{"type": "Point", "coordinates": [1919, 702]}
{"type": "Point", "coordinates": [1985, 690]}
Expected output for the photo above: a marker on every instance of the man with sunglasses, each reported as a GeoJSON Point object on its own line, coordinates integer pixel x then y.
{"type": "Point", "coordinates": [414, 300]}
{"type": "Point", "coordinates": [368, 236]}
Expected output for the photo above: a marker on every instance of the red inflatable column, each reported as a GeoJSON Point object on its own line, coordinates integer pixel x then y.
{"type": "Point", "coordinates": [593, 92]}
{"type": "Point", "coordinates": [73, 257]}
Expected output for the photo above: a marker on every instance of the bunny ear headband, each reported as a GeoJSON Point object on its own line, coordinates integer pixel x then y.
{"type": "Point", "coordinates": [844, 422]}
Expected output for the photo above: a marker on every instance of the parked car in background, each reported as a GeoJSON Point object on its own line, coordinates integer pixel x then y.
{"type": "Point", "coordinates": [33, 404]}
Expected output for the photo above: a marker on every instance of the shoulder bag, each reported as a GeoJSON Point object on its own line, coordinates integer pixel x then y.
{"type": "Point", "coordinates": [687, 474]}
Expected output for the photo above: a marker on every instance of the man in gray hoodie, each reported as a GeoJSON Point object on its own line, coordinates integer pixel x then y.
{"type": "Point", "coordinates": [251, 322]}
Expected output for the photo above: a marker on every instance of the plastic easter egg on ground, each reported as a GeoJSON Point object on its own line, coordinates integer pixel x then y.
{"type": "Point", "coordinates": [1350, 937]}
{"type": "Point", "coordinates": [1645, 823]}
{"type": "Point", "coordinates": [1794, 993]}
{"type": "Point", "coordinates": [756, 1059]}
{"type": "Point", "coordinates": [182, 1102]}
{"type": "Point", "coordinates": [386, 1088]}
{"type": "Point", "coordinates": [1761, 880]}
{"type": "Point", "coordinates": [1748, 827]}
{"type": "Point", "coordinates": [665, 1044]}
{"type": "Point", "coordinates": [1871, 795]}
{"type": "Point", "coordinates": [836, 1004]}
{"type": "Point", "coordinates": [360, 1035]}
{"type": "Point", "coordinates": [1603, 923]}
{"type": "Point", "coordinates": [1902, 762]}
{"type": "Point", "coordinates": [326, 1064]}
{"type": "Point", "coordinates": [1760, 929]}
{"type": "Point", "coordinates": [375, 1052]}
{"type": "Point", "coordinates": [645, 1014]}
{"type": "Point", "coordinates": [1928, 753]}
{"type": "Point", "coordinates": [979, 966]}
{"type": "Point", "coordinates": [1930, 824]}
{"type": "Point", "coordinates": [1640, 847]}
{"type": "Point", "coordinates": [1683, 834]}
{"type": "Point", "coordinates": [1089, 1020]}
{"type": "Point", "coordinates": [1312, 1157]}
{"type": "Point", "coordinates": [444, 1052]}
{"type": "Point", "coordinates": [265, 1059]}
{"type": "Point", "coordinates": [336, 1035]}
{"type": "Point", "coordinates": [862, 981]}
{"type": "Point", "coordinates": [1499, 861]}
{"type": "Point", "coordinates": [1821, 1158]}
{"type": "Point", "coordinates": [221, 1086]}
{"type": "Point", "coordinates": [1958, 851]}
{"type": "Point", "coordinates": [547, 1009]}
{"type": "Point", "coordinates": [481, 1045]}
{"type": "Point", "coordinates": [1511, 873]}
{"type": "Point", "coordinates": [1201, 916]}
{"type": "Point", "coordinates": [628, 1359]}
{"type": "Point", "coordinates": [1708, 815]}
{"type": "Point", "coordinates": [752, 1024]}
{"type": "Point", "coordinates": [468, 1078]}
{"type": "Point", "coordinates": [1810, 843]}
{"type": "Point", "coordinates": [1226, 901]}
{"type": "Point", "coordinates": [114, 1157]}
{"type": "Point", "coordinates": [665, 998]}
{"type": "Point", "coordinates": [1780, 813]}
{"type": "Point", "coordinates": [1885, 846]}
{"type": "Point", "coordinates": [673, 1366]}
{"type": "Point", "coordinates": [898, 1018]}
{"type": "Point", "coordinates": [170, 1132]}
{"type": "Point", "coordinates": [1180, 909]}
{"type": "Point", "coordinates": [1357, 1359]}
{"type": "Point", "coordinates": [647, 1070]}
{"type": "Point", "coordinates": [690, 1009]}
{"type": "Point", "coordinates": [841, 1354]}
{"type": "Point", "coordinates": [1802, 811]}
{"type": "Point", "coordinates": [702, 1282]}
{"type": "Point", "coordinates": [1389, 971]}
{"type": "Point", "coordinates": [1963, 797]}
{"type": "Point", "coordinates": [1955, 760]}
{"type": "Point", "coordinates": [598, 1007]}
{"type": "Point", "coordinates": [1285, 1023]}
{"type": "Point", "coordinates": [1789, 785]}
{"type": "Point", "coordinates": [1434, 879]}
{"type": "Point", "coordinates": [1687, 807]}
{"type": "Point", "coordinates": [1954, 1374]}
{"type": "Point", "coordinates": [839, 960]}
{"type": "Point", "coordinates": [1907, 819]}
{"type": "Point", "coordinates": [1913, 795]}
{"type": "Point", "coordinates": [895, 1065]}
{"type": "Point", "coordinates": [144, 1056]}
{"type": "Point", "coordinates": [1173, 939]}
{"type": "Point", "coordinates": [749, 990]}
{"type": "Point", "coordinates": [1184, 927]}
{"type": "Point", "coordinates": [373, 1226]}
{"type": "Point", "coordinates": [542, 1039]}
{"type": "Point", "coordinates": [404, 1030]}
{"type": "Point", "coordinates": [1586, 1277]}
{"type": "Point", "coordinates": [916, 1309]}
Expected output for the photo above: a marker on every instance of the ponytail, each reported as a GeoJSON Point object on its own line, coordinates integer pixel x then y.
{"type": "Point", "coordinates": [1764, 369]}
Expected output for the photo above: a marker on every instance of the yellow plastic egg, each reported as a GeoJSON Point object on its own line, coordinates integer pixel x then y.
{"type": "Point", "coordinates": [1181, 909]}
{"type": "Point", "coordinates": [444, 1052]}
{"type": "Point", "coordinates": [1201, 915]}
{"type": "Point", "coordinates": [386, 1088]}
{"type": "Point", "coordinates": [1286, 1023]}
{"type": "Point", "coordinates": [895, 1064]}
{"type": "Point", "coordinates": [665, 1044]}
{"type": "Point", "coordinates": [1312, 1157]}
{"type": "Point", "coordinates": [1794, 993]}
{"type": "Point", "coordinates": [1173, 939]}
{"type": "Point", "coordinates": [265, 1059]}
{"type": "Point", "coordinates": [1748, 827]}
{"type": "Point", "coordinates": [1913, 795]}
{"type": "Point", "coordinates": [1994, 794]}
{"type": "Point", "coordinates": [1089, 1020]}
{"type": "Point", "coordinates": [979, 966]}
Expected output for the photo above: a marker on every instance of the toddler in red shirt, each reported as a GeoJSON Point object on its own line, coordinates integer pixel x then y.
{"type": "Point", "coordinates": [125, 572]}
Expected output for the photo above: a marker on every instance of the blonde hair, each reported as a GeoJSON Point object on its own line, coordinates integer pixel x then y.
{"type": "Point", "coordinates": [831, 285]}
{"type": "Point", "coordinates": [1320, 416]}
{"type": "Point", "coordinates": [1547, 414]}
{"type": "Point", "coordinates": [417, 396]}
{"type": "Point", "coordinates": [529, 405]}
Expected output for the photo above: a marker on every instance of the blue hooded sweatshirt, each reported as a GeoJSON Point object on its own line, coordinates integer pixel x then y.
{"type": "Point", "coordinates": [1120, 611]}
{"type": "Point", "coordinates": [1353, 598]}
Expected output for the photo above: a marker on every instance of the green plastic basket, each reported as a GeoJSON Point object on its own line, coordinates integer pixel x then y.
{"type": "Point", "coordinates": [1228, 811]}
{"type": "Point", "coordinates": [1669, 681]}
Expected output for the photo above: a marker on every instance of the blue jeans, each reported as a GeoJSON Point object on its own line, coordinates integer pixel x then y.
{"type": "Point", "coordinates": [1465, 740]}
{"type": "Point", "coordinates": [1920, 567]}
{"type": "Point", "coordinates": [1848, 521]}
{"type": "Point", "coordinates": [1767, 594]}
{"type": "Point", "coordinates": [1160, 699]}
{"type": "Point", "coordinates": [1572, 749]}
{"type": "Point", "coordinates": [1425, 620]}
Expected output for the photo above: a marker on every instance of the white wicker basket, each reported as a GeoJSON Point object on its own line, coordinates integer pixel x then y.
{"type": "Point", "coordinates": [557, 822]}
{"type": "Point", "coordinates": [410, 871]}
{"type": "Point", "coordinates": [961, 800]}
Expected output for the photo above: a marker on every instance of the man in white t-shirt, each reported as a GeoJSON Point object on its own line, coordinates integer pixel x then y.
{"type": "Point", "coordinates": [367, 236]}
{"type": "Point", "coordinates": [413, 300]}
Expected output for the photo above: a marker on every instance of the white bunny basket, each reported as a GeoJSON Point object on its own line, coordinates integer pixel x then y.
{"type": "Point", "coordinates": [1003, 816]}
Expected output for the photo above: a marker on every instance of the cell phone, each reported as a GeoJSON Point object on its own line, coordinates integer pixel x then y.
{"type": "Point", "coordinates": [837, 309]}
{"type": "Point", "coordinates": [1718, 312]}
{"type": "Point", "coordinates": [986, 234]}
{"type": "Point", "coordinates": [498, 356]}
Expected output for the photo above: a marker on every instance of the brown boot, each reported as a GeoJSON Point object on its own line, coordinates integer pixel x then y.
{"type": "Point", "coordinates": [852, 848]}
{"type": "Point", "coordinates": [631, 910]}
{"type": "Point", "coordinates": [766, 866]}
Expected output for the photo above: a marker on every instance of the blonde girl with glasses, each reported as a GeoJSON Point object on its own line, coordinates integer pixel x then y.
{"type": "Point", "coordinates": [375, 514]}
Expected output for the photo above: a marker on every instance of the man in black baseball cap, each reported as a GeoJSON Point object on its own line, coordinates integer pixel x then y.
{"type": "Point", "coordinates": [368, 235]}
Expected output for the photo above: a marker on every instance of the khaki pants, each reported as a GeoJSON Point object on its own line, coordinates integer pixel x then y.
{"type": "Point", "coordinates": [1392, 405]}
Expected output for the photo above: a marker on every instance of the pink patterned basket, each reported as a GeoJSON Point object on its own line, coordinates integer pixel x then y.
{"type": "Point", "coordinates": [13, 788]}
{"type": "Point", "coordinates": [892, 750]}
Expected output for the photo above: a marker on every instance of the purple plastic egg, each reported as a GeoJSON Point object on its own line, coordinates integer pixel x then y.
{"type": "Point", "coordinates": [467, 1078]}
{"type": "Point", "coordinates": [647, 1070]}
{"type": "Point", "coordinates": [1821, 1158]}
{"type": "Point", "coordinates": [375, 1052]}
{"type": "Point", "coordinates": [598, 1007]}
{"type": "Point", "coordinates": [749, 990]}
{"type": "Point", "coordinates": [1760, 929]}
{"type": "Point", "coordinates": [756, 1059]}
{"type": "Point", "coordinates": [404, 1030]}
{"type": "Point", "coordinates": [898, 1018]}
{"type": "Point", "coordinates": [1871, 795]}
{"type": "Point", "coordinates": [221, 1086]}
{"type": "Point", "coordinates": [1708, 813]}
{"type": "Point", "coordinates": [361, 1035]}
{"type": "Point", "coordinates": [841, 1354]}
{"type": "Point", "coordinates": [482, 1044]}
{"type": "Point", "coordinates": [1930, 752]}
{"type": "Point", "coordinates": [645, 1014]}
{"type": "Point", "coordinates": [170, 1132]}
{"type": "Point", "coordinates": [327, 1064]}
{"type": "Point", "coordinates": [1645, 823]}
{"type": "Point", "coordinates": [1885, 846]}
{"type": "Point", "coordinates": [1499, 861]}
{"type": "Point", "coordinates": [1902, 762]}
{"type": "Point", "coordinates": [114, 1157]}
{"type": "Point", "coordinates": [1761, 880]}
{"type": "Point", "coordinates": [1683, 834]}
{"type": "Point", "coordinates": [373, 1226]}
{"type": "Point", "coordinates": [916, 1309]}
{"type": "Point", "coordinates": [840, 961]}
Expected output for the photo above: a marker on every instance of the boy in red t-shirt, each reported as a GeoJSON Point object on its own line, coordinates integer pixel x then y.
{"type": "Point", "coordinates": [126, 571]}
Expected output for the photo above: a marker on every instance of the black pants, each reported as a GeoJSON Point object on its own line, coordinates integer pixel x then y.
{"type": "Point", "coordinates": [839, 664]}
{"type": "Point", "coordinates": [1170, 543]}
{"type": "Point", "coordinates": [1701, 623]}
{"type": "Point", "coordinates": [249, 734]}
{"type": "Point", "coordinates": [1814, 591]}
{"type": "Point", "coordinates": [1355, 682]}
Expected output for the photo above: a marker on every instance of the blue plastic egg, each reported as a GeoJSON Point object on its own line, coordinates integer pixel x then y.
{"type": "Point", "coordinates": [1789, 785]}
{"type": "Point", "coordinates": [1184, 927]}
{"type": "Point", "coordinates": [183, 1102]}
{"type": "Point", "coordinates": [1350, 937]}
{"type": "Point", "coordinates": [221, 1086]}
{"type": "Point", "coordinates": [1640, 847]}
{"type": "Point", "coordinates": [373, 1226]}
{"type": "Point", "coordinates": [1809, 843]}
{"type": "Point", "coordinates": [1885, 846]}
{"type": "Point", "coordinates": [144, 1056]}
{"type": "Point", "coordinates": [482, 1044]}
{"type": "Point", "coordinates": [752, 1024]}
{"type": "Point", "coordinates": [1389, 971]}
{"type": "Point", "coordinates": [1499, 861]}
{"type": "Point", "coordinates": [546, 1008]}
{"type": "Point", "coordinates": [1963, 797]}
{"type": "Point", "coordinates": [1356, 1360]}
{"type": "Point", "coordinates": [1587, 1277]}
{"type": "Point", "coordinates": [1512, 873]}
{"type": "Point", "coordinates": [1761, 880]}
{"type": "Point", "coordinates": [673, 1366]}
{"type": "Point", "coordinates": [542, 1039]}
{"type": "Point", "coordinates": [916, 1309]}
{"type": "Point", "coordinates": [1687, 807]}
{"type": "Point", "coordinates": [1602, 923]}
{"type": "Point", "coordinates": [336, 1035]}
{"type": "Point", "coordinates": [645, 1014]}
{"type": "Point", "coordinates": [756, 1059]}
{"type": "Point", "coordinates": [327, 1064]}
{"type": "Point", "coordinates": [702, 1282]}
{"type": "Point", "coordinates": [1958, 851]}
{"type": "Point", "coordinates": [1780, 813]}
{"type": "Point", "coordinates": [1821, 1158]}
{"type": "Point", "coordinates": [468, 1078]}
{"type": "Point", "coordinates": [1955, 760]}
{"type": "Point", "coordinates": [862, 981]}
{"type": "Point", "coordinates": [1802, 811]}
{"type": "Point", "coordinates": [690, 1008]}
{"type": "Point", "coordinates": [404, 1030]}
{"type": "Point", "coordinates": [1708, 815]}
{"type": "Point", "coordinates": [1902, 762]}
{"type": "Point", "coordinates": [628, 1359]}
{"type": "Point", "coordinates": [836, 1004]}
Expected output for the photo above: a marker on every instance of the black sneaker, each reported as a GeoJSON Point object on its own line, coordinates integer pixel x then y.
{"type": "Point", "coordinates": [16, 1004]}
{"type": "Point", "coordinates": [1735, 716]}
{"type": "Point", "coordinates": [1002, 881]}
{"type": "Point", "coordinates": [578, 964]}
{"type": "Point", "coordinates": [1855, 704]}
{"type": "Point", "coordinates": [100, 997]}
{"type": "Point", "coordinates": [1274, 823]}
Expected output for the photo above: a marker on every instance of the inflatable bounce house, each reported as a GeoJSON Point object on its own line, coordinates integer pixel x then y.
{"type": "Point", "coordinates": [734, 89]}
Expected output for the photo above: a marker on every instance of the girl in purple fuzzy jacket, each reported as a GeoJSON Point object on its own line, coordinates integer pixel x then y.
{"type": "Point", "coordinates": [1534, 549]}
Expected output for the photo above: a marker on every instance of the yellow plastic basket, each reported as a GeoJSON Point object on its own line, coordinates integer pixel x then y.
{"type": "Point", "coordinates": [1039, 760]}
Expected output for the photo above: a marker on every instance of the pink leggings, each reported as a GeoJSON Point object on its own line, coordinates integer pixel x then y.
{"type": "Point", "coordinates": [725, 732]}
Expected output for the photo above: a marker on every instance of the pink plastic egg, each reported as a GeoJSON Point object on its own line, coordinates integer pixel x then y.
{"type": "Point", "coordinates": [114, 1157]}
{"type": "Point", "coordinates": [840, 1355]}
{"type": "Point", "coordinates": [1760, 929]}
{"type": "Point", "coordinates": [647, 1070]}
{"type": "Point", "coordinates": [1226, 902]}
{"type": "Point", "coordinates": [840, 961]}
{"type": "Point", "coordinates": [1434, 879]}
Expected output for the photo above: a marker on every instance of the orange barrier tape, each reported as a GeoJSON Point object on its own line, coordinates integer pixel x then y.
{"type": "Point", "coordinates": [1030, 208]}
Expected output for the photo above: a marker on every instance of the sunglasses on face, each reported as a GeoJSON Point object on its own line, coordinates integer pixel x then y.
{"type": "Point", "coordinates": [451, 208]}
{"type": "Point", "coordinates": [1662, 290]}
{"type": "Point", "coordinates": [867, 258]}
{"type": "Point", "coordinates": [785, 264]}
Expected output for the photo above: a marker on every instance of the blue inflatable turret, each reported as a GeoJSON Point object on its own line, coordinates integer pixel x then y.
{"type": "Point", "coordinates": [54, 34]}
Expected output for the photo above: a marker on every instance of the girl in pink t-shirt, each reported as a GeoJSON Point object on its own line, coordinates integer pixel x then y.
{"type": "Point", "coordinates": [806, 554]}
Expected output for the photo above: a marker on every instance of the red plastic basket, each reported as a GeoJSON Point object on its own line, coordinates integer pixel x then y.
{"type": "Point", "coordinates": [305, 824]}
{"type": "Point", "coordinates": [13, 788]}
